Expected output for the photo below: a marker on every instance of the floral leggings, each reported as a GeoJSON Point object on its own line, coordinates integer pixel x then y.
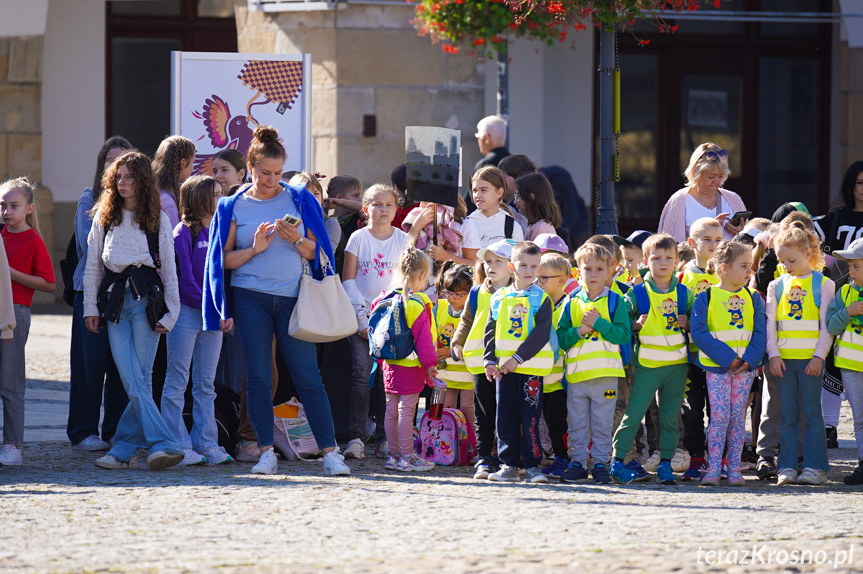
{"type": "Point", "coordinates": [728, 394]}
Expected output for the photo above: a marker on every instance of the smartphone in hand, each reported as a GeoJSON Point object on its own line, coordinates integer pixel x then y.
{"type": "Point", "coordinates": [738, 217]}
{"type": "Point", "coordinates": [292, 219]}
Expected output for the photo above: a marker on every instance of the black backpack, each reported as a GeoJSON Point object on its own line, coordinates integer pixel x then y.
{"type": "Point", "coordinates": [67, 271]}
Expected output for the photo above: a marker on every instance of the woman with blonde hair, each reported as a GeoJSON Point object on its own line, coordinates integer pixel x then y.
{"type": "Point", "coordinates": [703, 196]}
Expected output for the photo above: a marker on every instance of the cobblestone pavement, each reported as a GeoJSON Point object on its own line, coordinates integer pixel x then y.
{"type": "Point", "coordinates": [61, 514]}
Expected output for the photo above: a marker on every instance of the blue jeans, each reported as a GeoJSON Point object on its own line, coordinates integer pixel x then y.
{"type": "Point", "coordinates": [92, 373]}
{"type": "Point", "coordinates": [189, 343]}
{"type": "Point", "coordinates": [799, 392]}
{"type": "Point", "coordinates": [259, 316]}
{"type": "Point", "coordinates": [133, 344]}
{"type": "Point", "coordinates": [519, 406]}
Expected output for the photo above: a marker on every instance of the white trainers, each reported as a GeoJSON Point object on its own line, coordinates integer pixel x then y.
{"type": "Point", "coordinates": [112, 463]}
{"type": "Point", "coordinates": [786, 476]}
{"type": "Point", "coordinates": [10, 455]}
{"type": "Point", "coordinates": [191, 458]}
{"type": "Point", "coordinates": [680, 460]}
{"type": "Point", "coordinates": [414, 463]}
{"type": "Point", "coordinates": [248, 451]}
{"type": "Point", "coordinates": [652, 463]}
{"type": "Point", "coordinates": [812, 476]}
{"type": "Point", "coordinates": [91, 444]}
{"type": "Point", "coordinates": [268, 464]}
{"type": "Point", "coordinates": [355, 449]}
{"type": "Point", "coordinates": [334, 464]}
{"type": "Point", "coordinates": [217, 455]}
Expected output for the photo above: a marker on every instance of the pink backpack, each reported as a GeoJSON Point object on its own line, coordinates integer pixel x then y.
{"type": "Point", "coordinates": [449, 441]}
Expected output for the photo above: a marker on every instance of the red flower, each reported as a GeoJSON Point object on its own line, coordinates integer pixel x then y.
{"type": "Point", "coordinates": [479, 42]}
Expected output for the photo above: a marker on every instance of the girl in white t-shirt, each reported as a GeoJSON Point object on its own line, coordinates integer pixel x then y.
{"type": "Point", "coordinates": [371, 255]}
{"type": "Point", "coordinates": [492, 219]}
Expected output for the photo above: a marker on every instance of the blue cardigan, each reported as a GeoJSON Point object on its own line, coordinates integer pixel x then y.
{"type": "Point", "coordinates": [217, 304]}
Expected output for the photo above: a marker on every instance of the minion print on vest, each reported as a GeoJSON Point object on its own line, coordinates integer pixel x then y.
{"type": "Point", "coordinates": [734, 306]}
{"type": "Point", "coordinates": [517, 314]}
{"type": "Point", "coordinates": [668, 309]}
{"type": "Point", "coordinates": [795, 302]}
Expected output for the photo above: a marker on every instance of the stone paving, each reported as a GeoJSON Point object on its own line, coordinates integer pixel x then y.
{"type": "Point", "coordinates": [61, 514]}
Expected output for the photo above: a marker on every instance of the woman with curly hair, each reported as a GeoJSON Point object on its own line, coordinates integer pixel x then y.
{"type": "Point", "coordinates": [130, 239]}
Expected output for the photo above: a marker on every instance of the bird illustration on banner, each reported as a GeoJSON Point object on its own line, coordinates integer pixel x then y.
{"type": "Point", "coordinates": [223, 130]}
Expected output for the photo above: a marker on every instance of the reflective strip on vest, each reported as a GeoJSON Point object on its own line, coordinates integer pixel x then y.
{"type": "Point", "coordinates": [809, 328]}
{"type": "Point", "coordinates": [848, 350]}
{"type": "Point", "coordinates": [474, 349]}
{"type": "Point", "coordinates": [539, 365]}
{"type": "Point", "coordinates": [592, 357]}
{"type": "Point", "coordinates": [450, 375]}
{"type": "Point", "coordinates": [661, 341]}
{"type": "Point", "coordinates": [798, 326]}
{"type": "Point", "coordinates": [473, 352]}
{"type": "Point", "coordinates": [514, 324]}
{"type": "Point", "coordinates": [731, 324]}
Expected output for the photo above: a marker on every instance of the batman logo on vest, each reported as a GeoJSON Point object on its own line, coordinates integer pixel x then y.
{"type": "Point", "coordinates": [609, 394]}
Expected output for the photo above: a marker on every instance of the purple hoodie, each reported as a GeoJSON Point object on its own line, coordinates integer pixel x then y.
{"type": "Point", "coordinates": [191, 256]}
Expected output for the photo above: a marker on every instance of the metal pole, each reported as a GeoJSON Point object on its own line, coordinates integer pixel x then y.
{"type": "Point", "coordinates": [606, 219]}
{"type": "Point", "coordinates": [503, 85]}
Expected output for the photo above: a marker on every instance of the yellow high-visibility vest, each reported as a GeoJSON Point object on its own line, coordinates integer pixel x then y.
{"type": "Point", "coordinates": [848, 351]}
{"type": "Point", "coordinates": [730, 319]}
{"type": "Point", "coordinates": [797, 317]}
{"type": "Point", "coordinates": [592, 356]}
{"type": "Point", "coordinates": [697, 282]}
{"type": "Point", "coordinates": [552, 381]}
{"type": "Point", "coordinates": [455, 374]}
{"type": "Point", "coordinates": [661, 341]}
{"type": "Point", "coordinates": [513, 325]}
{"type": "Point", "coordinates": [473, 345]}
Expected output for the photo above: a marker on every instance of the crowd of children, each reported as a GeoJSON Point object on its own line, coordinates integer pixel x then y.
{"type": "Point", "coordinates": [566, 360]}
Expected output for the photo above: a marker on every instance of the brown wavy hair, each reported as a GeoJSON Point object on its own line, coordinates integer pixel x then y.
{"type": "Point", "coordinates": [166, 163]}
{"type": "Point", "coordinates": [265, 144]}
{"type": "Point", "coordinates": [197, 199]}
{"type": "Point", "coordinates": [111, 143]}
{"type": "Point", "coordinates": [108, 211]}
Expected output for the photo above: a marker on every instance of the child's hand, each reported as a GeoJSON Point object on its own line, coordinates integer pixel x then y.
{"type": "Point", "coordinates": [432, 372]}
{"type": "Point", "coordinates": [589, 318]}
{"type": "Point", "coordinates": [509, 366]}
{"type": "Point", "coordinates": [364, 334]}
{"type": "Point", "coordinates": [226, 325]}
{"type": "Point", "coordinates": [639, 324]}
{"type": "Point", "coordinates": [734, 367]}
{"type": "Point", "coordinates": [443, 353]}
{"type": "Point", "coordinates": [92, 324]}
{"type": "Point", "coordinates": [425, 217]}
{"type": "Point", "coordinates": [456, 352]}
{"type": "Point", "coordinates": [584, 330]}
{"type": "Point", "coordinates": [855, 308]}
{"type": "Point", "coordinates": [683, 321]}
{"type": "Point", "coordinates": [491, 372]}
{"type": "Point", "coordinates": [815, 367]}
{"type": "Point", "coordinates": [777, 366]}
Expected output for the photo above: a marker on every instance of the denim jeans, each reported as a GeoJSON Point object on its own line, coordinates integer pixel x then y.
{"type": "Point", "coordinates": [231, 371]}
{"type": "Point", "coordinates": [361, 368]}
{"type": "Point", "coordinates": [259, 316]}
{"type": "Point", "coordinates": [133, 345]}
{"type": "Point", "coordinates": [12, 378]}
{"type": "Point", "coordinates": [92, 373]}
{"type": "Point", "coordinates": [189, 343]}
{"type": "Point", "coordinates": [797, 391]}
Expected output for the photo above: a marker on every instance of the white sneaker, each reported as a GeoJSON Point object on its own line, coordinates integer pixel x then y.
{"type": "Point", "coordinates": [812, 476]}
{"type": "Point", "coordinates": [91, 444]}
{"type": "Point", "coordinates": [248, 451]}
{"type": "Point", "coordinates": [786, 476]}
{"type": "Point", "coordinates": [355, 449]}
{"type": "Point", "coordinates": [112, 463]}
{"type": "Point", "coordinates": [10, 455]}
{"type": "Point", "coordinates": [217, 455]}
{"type": "Point", "coordinates": [652, 463]}
{"type": "Point", "coordinates": [680, 460]}
{"type": "Point", "coordinates": [334, 464]}
{"type": "Point", "coordinates": [191, 458]}
{"type": "Point", "coordinates": [268, 464]}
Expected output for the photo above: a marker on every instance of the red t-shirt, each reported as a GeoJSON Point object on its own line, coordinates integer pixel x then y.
{"type": "Point", "coordinates": [27, 253]}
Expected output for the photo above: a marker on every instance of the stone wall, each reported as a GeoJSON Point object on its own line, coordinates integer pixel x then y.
{"type": "Point", "coordinates": [21, 129]}
{"type": "Point", "coordinates": [368, 60]}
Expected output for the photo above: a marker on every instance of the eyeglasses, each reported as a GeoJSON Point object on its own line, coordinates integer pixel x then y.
{"type": "Point", "coordinates": [543, 279]}
{"type": "Point", "coordinates": [454, 294]}
{"type": "Point", "coordinates": [715, 155]}
{"type": "Point", "coordinates": [126, 178]}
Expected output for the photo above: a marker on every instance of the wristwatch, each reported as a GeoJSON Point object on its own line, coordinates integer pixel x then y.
{"type": "Point", "coordinates": [298, 242]}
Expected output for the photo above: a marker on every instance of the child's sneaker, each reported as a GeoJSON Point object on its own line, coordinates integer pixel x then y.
{"type": "Point", "coordinates": [812, 476]}
{"type": "Point", "coordinates": [652, 463]}
{"type": "Point", "coordinates": [641, 475]}
{"type": "Point", "coordinates": [697, 469]}
{"type": "Point", "coordinates": [382, 450]}
{"type": "Point", "coordinates": [556, 468]}
{"type": "Point", "coordinates": [91, 443]}
{"type": "Point", "coordinates": [680, 460]}
{"type": "Point", "coordinates": [419, 464]}
{"type": "Point", "coordinates": [600, 473]}
{"type": "Point", "coordinates": [112, 463]}
{"type": "Point", "coordinates": [391, 463]}
{"type": "Point", "coordinates": [482, 471]}
{"type": "Point", "coordinates": [621, 473]}
{"type": "Point", "coordinates": [574, 473]}
{"type": "Point", "coordinates": [355, 449]}
{"type": "Point", "coordinates": [786, 476]}
{"type": "Point", "coordinates": [766, 468]}
{"type": "Point", "coordinates": [268, 464]}
{"type": "Point", "coordinates": [856, 477]}
{"type": "Point", "coordinates": [248, 451]}
{"type": "Point", "coordinates": [10, 455]}
{"type": "Point", "coordinates": [217, 455]}
{"type": "Point", "coordinates": [505, 474]}
{"type": "Point", "coordinates": [735, 478]}
{"type": "Point", "coordinates": [665, 474]}
{"type": "Point", "coordinates": [711, 478]}
{"type": "Point", "coordinates": [534, 475]}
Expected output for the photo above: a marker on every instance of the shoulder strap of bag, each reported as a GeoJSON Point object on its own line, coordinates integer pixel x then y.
{"type": "Point", "coordinates": [780, 286]}
{"type": "Point", "coordinates": [508, 226]}
{"type": "Point", "coordinates": [642, 299]}
{"type": "Point", "coordinates": [682, 298]}
{"type": "Point", "coordinates": [474, 299]}
{"type": "Point", "coordinates": [817, 280]}
{"type": "Point", "coordinates": [153, 246]}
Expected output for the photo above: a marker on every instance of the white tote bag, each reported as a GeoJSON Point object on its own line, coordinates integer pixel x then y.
{"type": "Point", "coordinates": [292, 434]}
{"type": "Point", "coordinates": [324, 312]}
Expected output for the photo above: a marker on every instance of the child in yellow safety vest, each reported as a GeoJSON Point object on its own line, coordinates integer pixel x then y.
{"type": "Point", "coordinates": [554, 273]}
{"type": "Point", "coordinates": [797, 343]}
{"type": "Point", "coordinates": [453, 284]}
{"type": "Point", "coordinates": [659, 308]}
{"type": "Point", "coordinates": [490, 274]}
{"type": "Point", "coordinates": [729, 326]}
{"type": "Point", "coordinates": [518, 353]}
{"type": "Point", "coordinates": [705, 235]}
{"type": "Point", "coordinates": [592, 330]}
{"type": "Point", "coordinates": [845, 320]}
